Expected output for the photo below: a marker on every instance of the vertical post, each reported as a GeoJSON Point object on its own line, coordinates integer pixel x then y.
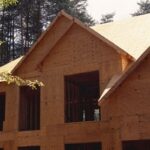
{"type": "Point", "coordinates": [117, 140]}
{"type": "Point", "coordinates": [9, 145]}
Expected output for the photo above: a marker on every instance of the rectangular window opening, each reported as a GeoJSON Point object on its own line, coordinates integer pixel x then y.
{"type": "Point", "coordinates": [81, 97]}
{"type": "Point", "coordinates": [84, 146]}
{"type": "Point", "coordinates": [2, 110]}
{"type": "Point", "coordinates": [136, 145]}
{"type": "Point", "coordinates": [29, 114]}
{"type": "Point", "coordinates": [29, 148]}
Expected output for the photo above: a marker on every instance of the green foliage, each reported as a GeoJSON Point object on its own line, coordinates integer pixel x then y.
{"type": "Point", "coordinates": [23, 23]}
{"type": "Point", "coordinates": [76, 8]}
{"type": "Point", "coordinates": [5, 3]}
{"type": "Point", "coordinates": [11, 79]}
{"type": "Point", "coordinates": [107, 18]}
{"type": "Point", "coordinates": [144, 8]}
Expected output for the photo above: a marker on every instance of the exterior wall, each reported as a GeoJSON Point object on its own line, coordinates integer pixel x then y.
{"type": "Point", "coordinates": [69, 57]}
{"type": "Point", "coordinates": [51, 37]}
{"type": "Point", "coordinates": [128, 108]}
{"type": "Point", "coordinates": [77, 52]}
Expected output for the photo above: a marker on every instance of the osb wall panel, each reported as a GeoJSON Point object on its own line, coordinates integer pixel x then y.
{"type": "Point", "coordinates": [130, 104]}
{"type": "Point", "coordinates": [10, 107]}
{"type": "Point", "coordinates": [49, 40]}
{"type": "Point", "coordinates": [77, 52]}
{"type": "Point", "coordinates": [78, 47]}
{"type": "Point", "coordinates": [82, 132]}
{"type": "Point", "coordinates": [77, 132]}
{"type": "Point", "coordinates": [11, 113]}
{"type": "Point", "coordinates": [3, 87]}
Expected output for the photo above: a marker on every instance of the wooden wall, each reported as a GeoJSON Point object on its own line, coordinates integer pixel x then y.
{"type": "Point", "coordinates": [128, 108]}
{"type": "Point", "coordinates": [77, 52]}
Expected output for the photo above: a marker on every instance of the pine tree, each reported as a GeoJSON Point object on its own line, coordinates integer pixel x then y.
{"type": "Point", "coordinates": [144, 8]}
{"type": "Point", "coordinates": [76, 8]}
{"type": "Point", "coordinates": [22, 24]}
{"type": "Point", "coordinates": [107, 18]}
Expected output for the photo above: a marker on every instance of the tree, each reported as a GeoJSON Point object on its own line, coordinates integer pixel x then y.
{"type": "Point", "coordinates": [76, 8]}
{"type": "Point", "coordinates": [144, 8]}
{"type": "Point", "coordinates": [22, 24]}
{"type": "Point", "coordinates": [7, 2]}
{"type": "Point", "coordinates": [9, 78]}
{"type": "Point", "coordinates": [20, 27]}
{"type": "Point", "coordinates": [107, 18]}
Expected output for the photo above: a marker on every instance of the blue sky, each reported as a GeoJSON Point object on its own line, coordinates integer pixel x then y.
{"type": "Point", "coordinates": [122, 8]}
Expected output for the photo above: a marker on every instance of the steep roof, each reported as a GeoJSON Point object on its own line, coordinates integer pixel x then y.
{"type": "Point", "coordinates": [10, 66]}
{"type": "Point", "coordinates": [76, 21]}
{"type": "Point", "coordinates": [120, 78]}
{"type": "Point", "coordinates": [132, 35]}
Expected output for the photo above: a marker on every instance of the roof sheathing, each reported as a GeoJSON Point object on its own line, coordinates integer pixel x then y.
{"type": "Point", "coordinates": [7, 68]}
{"type": "Point", "coordinates": [10, 66]}
{"type": "Point", "coordinates": [131, 35]}
{"type": "Point", "coordinates": [62, 13]}
{"type": "Point", "coordinates": [119, 79]}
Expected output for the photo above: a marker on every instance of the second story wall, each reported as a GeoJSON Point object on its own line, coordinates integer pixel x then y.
{"type": "Point", "coordinates": [128, 108]}
{"type": "Point", "coordinates": [77, 52]}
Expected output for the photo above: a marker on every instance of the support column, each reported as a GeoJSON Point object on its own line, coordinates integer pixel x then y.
{"type": "Point", "coordinates": [9, 145]}
{"type": "Point", "coordinates": [107, 142]}
{"type": "Point", "coordinates": [117, 140]}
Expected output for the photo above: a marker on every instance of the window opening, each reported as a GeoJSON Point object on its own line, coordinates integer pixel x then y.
{"type": "Point", "coordinates": [136, 145]}
{"type": "Point", "coordinates": [29, 148]}
{"type": "Point", "coordinates": [2, 110]}
{"type": "Point", "coordinates": [81, 97]}
{"type": "Point", "coordinates": [29, 115]}
{"type": "Point", "coordinates": [84, 146]}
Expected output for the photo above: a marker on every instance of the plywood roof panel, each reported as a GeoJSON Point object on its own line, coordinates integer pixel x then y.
{"type": "Point", "coordinates": [132, 35]}
{"type": "Point", "coordinates": [10, 66]}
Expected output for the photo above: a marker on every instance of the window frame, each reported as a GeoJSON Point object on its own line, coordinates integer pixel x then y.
{"type": "Point", "coordinates": [29, 109]}
{"type": "Point", "coordinates": [65, 96]}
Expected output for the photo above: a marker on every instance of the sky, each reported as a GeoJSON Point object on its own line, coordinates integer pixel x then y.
{"type": "Point", "coordinates": [122, 8]}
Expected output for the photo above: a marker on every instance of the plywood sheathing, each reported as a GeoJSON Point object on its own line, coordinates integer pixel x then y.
{"type": "Point", "coordinates": [131, 35]}
{"type": "Point", "coordinates": [118, 79]}
{"type": "Point", "coordinates": [68, 20]}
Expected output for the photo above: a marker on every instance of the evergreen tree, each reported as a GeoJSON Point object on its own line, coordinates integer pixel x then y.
{"type": "Point", "coordinates": [21, 24]}
{"type": "Point", "coordinates": [107, 18]}
{"type": "Point", "coordinates": [144, 8]}
{"type": "Point", "coordinates": [76, 8]}
{"type": "Point", "coordinates": [7, 34]}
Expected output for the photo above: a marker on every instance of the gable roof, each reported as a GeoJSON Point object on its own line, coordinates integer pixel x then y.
{"type": "Point", "coordinates": [120, 78]}
{"type": "Point", "coordinates": [9, 66]}
{"type": "Point", "coordinates": [132, 34]}
{"type": "Point", "coordinates": [76, 21]}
